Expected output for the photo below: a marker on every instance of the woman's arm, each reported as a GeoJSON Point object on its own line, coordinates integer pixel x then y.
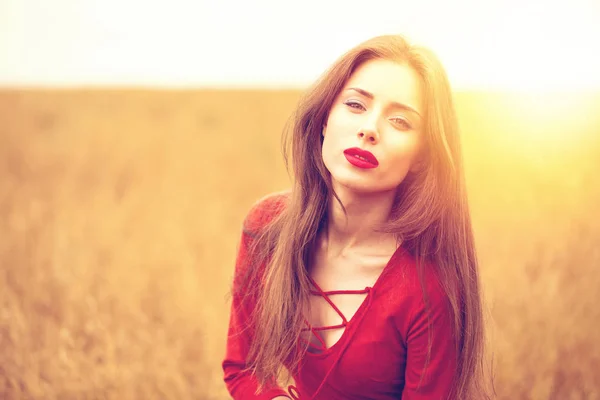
{"type": "Point", "coordinates": [430, 380]}
{"type": "Point", "coordinates": [241, 384]}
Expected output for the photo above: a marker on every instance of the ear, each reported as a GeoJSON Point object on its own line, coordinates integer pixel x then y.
{"type": "Point", "coordinates": [323, 131]}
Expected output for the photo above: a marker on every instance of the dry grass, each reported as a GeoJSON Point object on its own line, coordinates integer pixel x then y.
{"type": "Point", "coordinates": [120, 213]}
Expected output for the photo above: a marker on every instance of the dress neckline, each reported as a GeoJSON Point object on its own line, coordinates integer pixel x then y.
{"type": "Point", "coordinates": [349, 325]}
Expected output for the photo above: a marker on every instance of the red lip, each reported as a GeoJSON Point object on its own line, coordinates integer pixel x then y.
{"type": "Point", "coordinates": [361, 158]}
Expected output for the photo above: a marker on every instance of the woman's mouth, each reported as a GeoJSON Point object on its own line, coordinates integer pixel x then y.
{"type": "Point", "coordinates": [361, 158]}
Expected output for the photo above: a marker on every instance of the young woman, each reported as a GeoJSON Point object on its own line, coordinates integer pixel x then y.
{"type": "Point", "coordinates": [362, 281]}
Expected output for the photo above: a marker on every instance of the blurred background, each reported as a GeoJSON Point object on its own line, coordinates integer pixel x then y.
{"type": "Point", "coordinates": [135, 136]}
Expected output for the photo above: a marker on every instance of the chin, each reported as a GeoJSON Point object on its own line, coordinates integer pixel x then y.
{"type": "Point", "coordinates": [360, 186]}
{"type": "Point", "coordinates": [367, 182]}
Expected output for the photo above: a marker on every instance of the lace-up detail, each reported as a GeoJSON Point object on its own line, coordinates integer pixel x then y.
{"type": "Point", "coordinates": [292, 390]}
{"type": "Point", "coordinates": [294, 394]}
{"type": "Point", "coordinates": [343, 325]}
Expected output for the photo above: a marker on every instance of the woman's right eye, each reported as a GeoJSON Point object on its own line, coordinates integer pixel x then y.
{"type": "Point", "coordinates": [355, 105]}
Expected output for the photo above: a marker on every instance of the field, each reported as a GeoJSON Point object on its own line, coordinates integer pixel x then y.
{"type": "Point", "coordinates": [120, 213]}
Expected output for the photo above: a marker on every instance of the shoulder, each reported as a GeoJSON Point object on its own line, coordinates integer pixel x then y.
{"type": "Point", "coordinates": [430, 303]}
{"type": "Point", "coordinates": [249, 263]}
{"type": "Point", "coordinates": [264, 211]}
{"type": "Point", "coordinates": [427, 284]}
{"type": "Point", "coordinates": [416, 287]}
{"type": "Point", "coordinates": [414, 276]}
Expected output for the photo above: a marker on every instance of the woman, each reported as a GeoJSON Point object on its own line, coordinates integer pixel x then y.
{"type": "Point", "coordinates": [362, 282]}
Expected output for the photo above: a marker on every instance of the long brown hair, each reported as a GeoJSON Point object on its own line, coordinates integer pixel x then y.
{"type": "Point", "coordinates": [430, 216]}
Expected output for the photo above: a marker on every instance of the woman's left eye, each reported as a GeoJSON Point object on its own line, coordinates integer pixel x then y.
{"type": "Point", "coordinates": [397, 121]}
{"type": "Point", "coordinates": [402, 122]}
{"type": "Point", "coordinates": [353, 104]}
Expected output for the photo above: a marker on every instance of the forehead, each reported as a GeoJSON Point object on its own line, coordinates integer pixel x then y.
{"type": "Point", "coordinates": [388, 81]}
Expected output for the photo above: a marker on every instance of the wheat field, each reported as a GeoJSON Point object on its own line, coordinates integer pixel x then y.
{"type": "Point", "coordinates": [120, 213]}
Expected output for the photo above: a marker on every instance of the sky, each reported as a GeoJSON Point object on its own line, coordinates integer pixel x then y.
{"type": "Point", "coordinates": [496, 44]}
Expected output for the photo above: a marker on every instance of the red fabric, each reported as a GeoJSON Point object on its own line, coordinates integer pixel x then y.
{"type": "Point", "coordinates": [327, 297]}
{"type": "Point", "coordinates": [382, 352]}
{"type": "Point", "coordinates": [241, 384]}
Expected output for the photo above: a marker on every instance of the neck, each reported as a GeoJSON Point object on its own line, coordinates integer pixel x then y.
{"type": "Point", "coordinates": [365, 215]}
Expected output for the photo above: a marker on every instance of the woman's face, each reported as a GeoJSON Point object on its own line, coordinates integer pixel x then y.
{"type": "Point", "coordinates": [372, 138]}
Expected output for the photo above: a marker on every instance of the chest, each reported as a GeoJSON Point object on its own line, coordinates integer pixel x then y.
{"type": "Point", "coordinates": [372, 352]}
{"type": "Point", "coordinates": [373, 362]}
{"type": "Point", "coordinates": [339, 294]}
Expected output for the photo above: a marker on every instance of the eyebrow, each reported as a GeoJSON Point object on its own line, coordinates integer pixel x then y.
{"type": "Point", "coordinates": [393, 103]}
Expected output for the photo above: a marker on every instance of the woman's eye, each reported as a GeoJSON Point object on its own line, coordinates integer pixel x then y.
{"type": "Point", "coordinates": [353, 104]}
{"type": "Point", "coordinates": [397, 121]}
{"type": "Point", "coordinates": [401, 122]}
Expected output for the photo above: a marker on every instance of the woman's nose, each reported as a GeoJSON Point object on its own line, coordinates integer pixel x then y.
{"type": "Point", "coordinates": [369, 135]}
{"type": "Point", "coordinates": [369, 130]}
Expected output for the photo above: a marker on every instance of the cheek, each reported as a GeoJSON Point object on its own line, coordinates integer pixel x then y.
{"type": "Point", "coordinates": [341, 122]}
{"type": "Point", "coordinates": [327, 150]}
{"type": "Point", "coordinates": [333, 139]}
{"type": "Point", "coordinates": [403, 152]}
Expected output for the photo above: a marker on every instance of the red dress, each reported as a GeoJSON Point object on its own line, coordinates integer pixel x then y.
{"type": "Point", "coordinates": [383, 349]}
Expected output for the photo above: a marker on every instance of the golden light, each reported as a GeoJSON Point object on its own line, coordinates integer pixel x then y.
{"type": "Point", "coordinates": [529, 46]}
{"type": "Point", "coordinates": [493, 45]}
